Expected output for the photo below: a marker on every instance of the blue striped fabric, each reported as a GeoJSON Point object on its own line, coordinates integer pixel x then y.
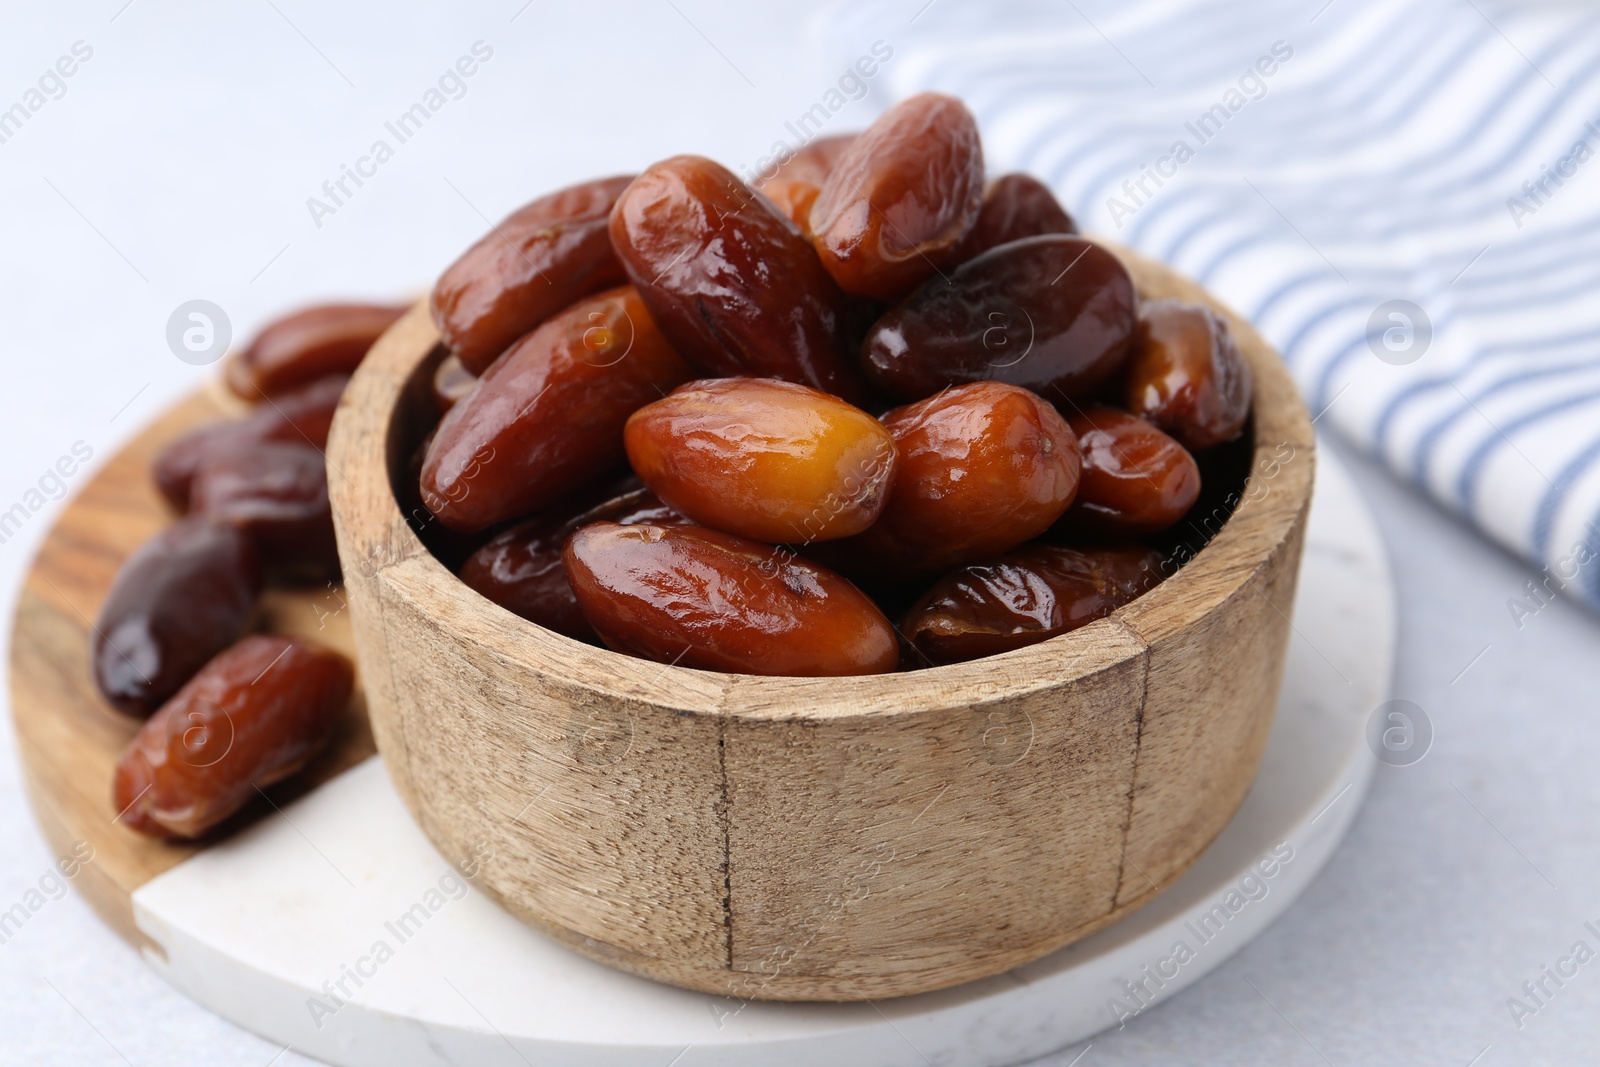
{"type": "Point", "coordinates": [1346, 175]}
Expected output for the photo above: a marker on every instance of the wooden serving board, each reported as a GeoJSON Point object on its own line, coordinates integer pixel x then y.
{"type": "Point", "coordinates": [254, 928]}
{"type": "Point", "coordinates": [69, 739]}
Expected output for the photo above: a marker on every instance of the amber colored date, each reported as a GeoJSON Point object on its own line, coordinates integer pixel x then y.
{"type": "Point", "coordinates": [701, 598]}
{"type": "Point", "coordinates": [1187, 375]}
{"type": "Point", "coordinates": [451, 382]}
{"type": "Point", "coordinates": [793, 185]}
{"type": "Point", "coordinates": [254, 715]}
{"type": "Point", "coordinates": [1014, 206]}
{"type": "Point", "coordinates": [1052, 314]}
{"type": "Point", "coordinates": [300, 417]}
{"type": "Point", "coordinates": [811, 163]}
{"type": "Point", "coordinates": [520, 568]}
{"type": "Point", "coordinates": [1137, 480]}
{"type": "Point", "coordinates": [298, 349]}
{"type": "Point", "coordinates": [547, 418]}
{"type": "Point", "coordinates": [1026, 596]}
{"type": "Point", "coordinates": [900, 198]}
{"type": "Point", "coordinates": [540, 259]}
{"type": "Point", "coordinates": [982, 468]}
{"type": "Point", "coordinates": [764, 459]}
{"type": "Point", "coordinates": [277, 493]}
{"type": "Point", "coordinates": [182, 597]}
{"type": "Point", "coordinates": [731, 282]}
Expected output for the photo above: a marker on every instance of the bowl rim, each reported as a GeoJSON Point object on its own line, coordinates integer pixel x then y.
{"type": "Point", "coordinates": [370, 517]}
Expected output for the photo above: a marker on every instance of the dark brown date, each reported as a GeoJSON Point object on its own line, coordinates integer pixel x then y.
{"type": "Point", "coordinates": [540, 259]}
{"type": "Point", "coordinates": [706, 599]}
{"type": "Point", "coordinates": [277, 493]}
{"type": "Point", "coordinates": [300, 417]}
{"type": "Point", "coordinates": [1137, 481]}
{"type": "Point", "coordinates": [254, 715]}
{"type": "Point", "coordinates": [186, 594]}
{"type": "Point", "coordinates": [1014, 206]}
{"type": "Point", "coordinates": [547, 417]}
{"type": "Point", "coordinates": [900, 198]}
{"type": "Point", "coordinates": [520, 569]}
{"type": "Point", "coordinates": [764, 459]}
{"type": "Point", "coordinates": [1187, 376]}
{"type": "Point", "coordinates": [1026, 596]}
{"type": "Point", "coordinates": [732, 283]}
{"type": "Point", "coordinates": [1052, 314]}
{"type": "Point", "coordinates": [451, 382]}
{"type": "Point", "coordinates": [309, 345]}
{"type": "Point", "coordinates": [982, 468]}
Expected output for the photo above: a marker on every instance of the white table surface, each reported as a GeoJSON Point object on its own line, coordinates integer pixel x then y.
{"type": "Point", "coordinates": [177, 165]}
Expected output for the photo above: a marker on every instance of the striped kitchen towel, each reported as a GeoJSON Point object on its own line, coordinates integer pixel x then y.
{"type": "Point", "coordinates": [1403, 195]}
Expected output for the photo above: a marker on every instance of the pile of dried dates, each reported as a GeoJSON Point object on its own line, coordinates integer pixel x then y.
{"type": "Point", "coordinates": [872, 387]}
{"type": "Point", "coordinates": [727, 427]}
{"type": "Point", "coordinates": [229, 711]}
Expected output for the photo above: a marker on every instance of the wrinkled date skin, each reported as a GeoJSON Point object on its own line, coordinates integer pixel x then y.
{"type": "Point", "coordinates": [547, 418]}
{"type": "Point", "coordinates": [982, 468]}
{"type": "Point", "coordinates": [520, 569]}
{"type": "Point", "coordinates": [900, 198]}
{"type": "Point", "coordinates": [300, 417]}
{"type": "Point", "coordinates": [253, 716]}
{"type": "Point", "coordinates": [1187, 375]}
{"type": "Point", "coordinates": [1014, 206]}
{"type": "Point", "coordinates": [1137, 481]}
{"type": "Point", "coordinates": [539, 260]}
{"type": "Point", "coordinates": [1026, 596]}
{"type": "Point", "coordinates": [731, 282]}
{"type": "Point", "coordinates": [701, 598]}
{"type": "Point", "coordinates": [764, 459]}
{"type": "Point", "coordinates": [186, 594]}
{"type": "Point", "coordinates": [277, 493]}
{"type": "Point", "coordinates": [1053, 314]}
{"type": "Point", "coordinates": [451, 382]}
{"type": "Point", "coordinates": [298, 349]}
{"type": "Point", "coordinates": [793, 186]}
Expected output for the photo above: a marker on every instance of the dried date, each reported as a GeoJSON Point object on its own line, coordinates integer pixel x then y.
{"type": "Point", "coordinates": [254, 715]}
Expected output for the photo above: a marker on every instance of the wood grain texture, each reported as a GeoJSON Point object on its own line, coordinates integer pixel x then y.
{"type": "Point", "coordinates": [68, 739]}
{"type": "Point", "coordinates": [820, 839]}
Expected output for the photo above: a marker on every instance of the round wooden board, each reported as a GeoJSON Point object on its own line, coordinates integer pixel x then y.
{"type": "Point", "coordinates": [69, 739]}
{"type": "Point", "coordinates": [255, 927]}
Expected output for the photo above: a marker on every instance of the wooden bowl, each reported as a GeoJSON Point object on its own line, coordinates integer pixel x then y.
{"type": "Point", "coordinates": [831, 839]}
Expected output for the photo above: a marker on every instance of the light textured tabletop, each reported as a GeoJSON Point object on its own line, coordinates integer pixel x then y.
{"type": "Point", "coordinates": [176, 163]}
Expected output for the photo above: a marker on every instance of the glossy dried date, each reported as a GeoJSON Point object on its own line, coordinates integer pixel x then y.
{"type": "Point", "coordinates": [520, 568]}
{"type": "Point", "coordinates": [732, 283]}
{"type": "Point", "coordinates": [1137, 480]}
{"type": "Point", "coordinates": [300, 417]}
{"type": "Point", "coordinates": [277, 493]}
{"type": "Point", "coordinates": [253, 716]}
{"type": "Point", "coordinates": [1026, 596]}
{"type": "Point", "coordinates": [1014, 206]}
{"type": "Point", "coordinates": [547, 418]}
{"type": "Point", "coordinates": [899, 199]}
{"type": "Point", "coordinates": [298, 349]}
{"type": "Point", "coordinates": [764, 459]}
{"type": "Point", "coordinates": [706, 599]}
{"type": "Point", "coordinates": [1052, 314]}
{"type": "Point", "coordinates": [537, 261]}
{"type": "Point", "coordinates": [812, 162]}
{"type": "Point", "coordinates": [793, 186]}
{"type": "Point", "coordinates": [451, 382]}
{"type": "Point", "coordinates": [1187, 375]}
{"type": "Point", "coordinates": [982, 468]}
{"type": "Point", "coordinates": [182, 597]}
